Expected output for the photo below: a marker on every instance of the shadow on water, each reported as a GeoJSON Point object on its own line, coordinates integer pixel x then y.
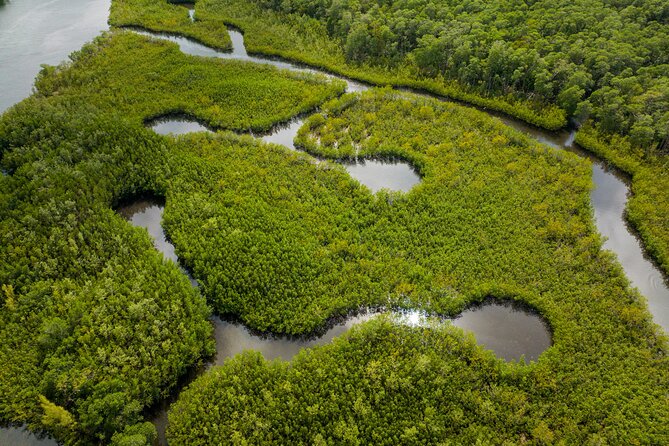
{"type": "Point", "coordinates": [608, 199]}
{"type": "Point", "coordinates": [511, 331]}
{"type": "Point", "coordinates": [20, 436]}
{"type": "Point", "coordinates": [507, 330]}
{"type": "Point", "coordinates": [176, 124]}
{"type": "Point", "coordinates": [146, 212]}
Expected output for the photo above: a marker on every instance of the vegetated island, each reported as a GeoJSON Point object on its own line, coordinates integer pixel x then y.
{"type": "Point", "coordinates": [96, 326]}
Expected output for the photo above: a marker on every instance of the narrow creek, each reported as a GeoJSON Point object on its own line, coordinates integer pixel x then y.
{"type": "Point", "coordinates": [608, 198]}
{"type": "Point", "coordinates": [33, 32]}
{"type": "Point", "coordinates": [508, 329]}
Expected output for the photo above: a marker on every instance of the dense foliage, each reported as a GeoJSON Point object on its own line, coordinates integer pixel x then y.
{"type": "Point", "coordinates": [95, 325]}
{"type": "Point", "coordinates": [169, 17]}
{"type": "Point", "coordinates": [648, 206]}
{"type": "Point", "coordinates": [495, 215]}
{"type": "Point", "coordinates": [594, 58]}
{"type": "Point", "coordinates": [147, 78]}
{"type": "Point", "coordinates": [90, 310]}
{"type": "Point", "coordinates": [385, 384]}
{"type": "Point", "coordinates": [515, 57]}
{"type": "Point", "coordinates": [306, 40]}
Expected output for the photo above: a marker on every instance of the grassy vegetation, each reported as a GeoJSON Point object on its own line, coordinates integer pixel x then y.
{"type": "Point", "coordinates": [95, 325]}
{"type": "Point", "coordinates": [648, 207]}
{"type": "Point", "coordinates": [277, 239]}
{"type": "Point", "coordinates": [636, 105]}
{"type": "Point", "coordinates": [146, 78]}
{"type": "Point", "coordinates": [169, 17]}
{"type": "Point", "coordinates": [577, 55]}
{"type": "Point", "coordinates": [305, 40]}
{"type": "Point", "coordinates": [386, 384]}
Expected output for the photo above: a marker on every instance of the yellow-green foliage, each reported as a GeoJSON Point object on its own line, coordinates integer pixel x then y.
{"type": "Point", "coordinates": [165, 16]}
{"type": "Point", "coordinates": [102, 326]}
{"type": "Point", "coordinates": [93, 318]}
{"type": "Point", "coordinates": [306, 40]}
{"type": "Point", "coordinates": [616, 108]}
{"type": "Point", "coordinates": [648, 207]}
{"type": "Point", "coordinates": [284, 242]}
{"type": "Point", "coordinates": [57, 418]}
{"type": "Point", "coordinates": [143, 78]}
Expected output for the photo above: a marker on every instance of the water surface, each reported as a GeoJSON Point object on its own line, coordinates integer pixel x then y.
{"type": "Point", "coordinates": [35, 32]}
{"type": "Point", "coordinates": [378, 174]}
{"type": "Point", "coordinates": [19, 436]}
{"type": "Point", "coordinates": [176, 126]}
{"type": "Point", "coordinates": [608, 199]}
{"type": "Point", "coordinates": [508, 330]}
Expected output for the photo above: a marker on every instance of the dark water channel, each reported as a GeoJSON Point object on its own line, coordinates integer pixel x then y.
{"type": "Point", "coordinates": [608, 198]}
{"type": "Point", "coordinates": [509, 330]}
{"type": "Point", "coordinates": [33, 32]}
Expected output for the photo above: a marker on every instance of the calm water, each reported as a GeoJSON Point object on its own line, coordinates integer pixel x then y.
{"type": "Point", "coordinates": [377, 175]}
{"type": "Point", "coordinates": [507, 329]}
{"type": "Point", "coordinates": [147, 213]}
{"type": "Point", "coordinates": [34, 32]}
{"type": "Point", "coordinates": [18, 436]}
{"type": "Point", "coordinates": [510, 331]}
{"type": "Point", "coordinates": [608, 199]}
{"type": "Point", "coordinates": [238, 52]}
{"type": "Point", "coordinates": [176, 126]}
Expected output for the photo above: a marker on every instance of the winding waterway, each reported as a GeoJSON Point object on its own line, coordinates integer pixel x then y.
{"type": "Point", "coordinates": [508, 329]}
{"type": "Point", "coordinates": [33, 32]}
{"type": "Point", "coordinates": [608, 198]}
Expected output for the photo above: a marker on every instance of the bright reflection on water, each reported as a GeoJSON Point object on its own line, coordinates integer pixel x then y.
{"type": "Point", "coordinates": [508, 330]}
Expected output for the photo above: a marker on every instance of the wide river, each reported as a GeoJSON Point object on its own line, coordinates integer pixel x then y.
{"type": "Point", "coordinates": [35, 32]}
